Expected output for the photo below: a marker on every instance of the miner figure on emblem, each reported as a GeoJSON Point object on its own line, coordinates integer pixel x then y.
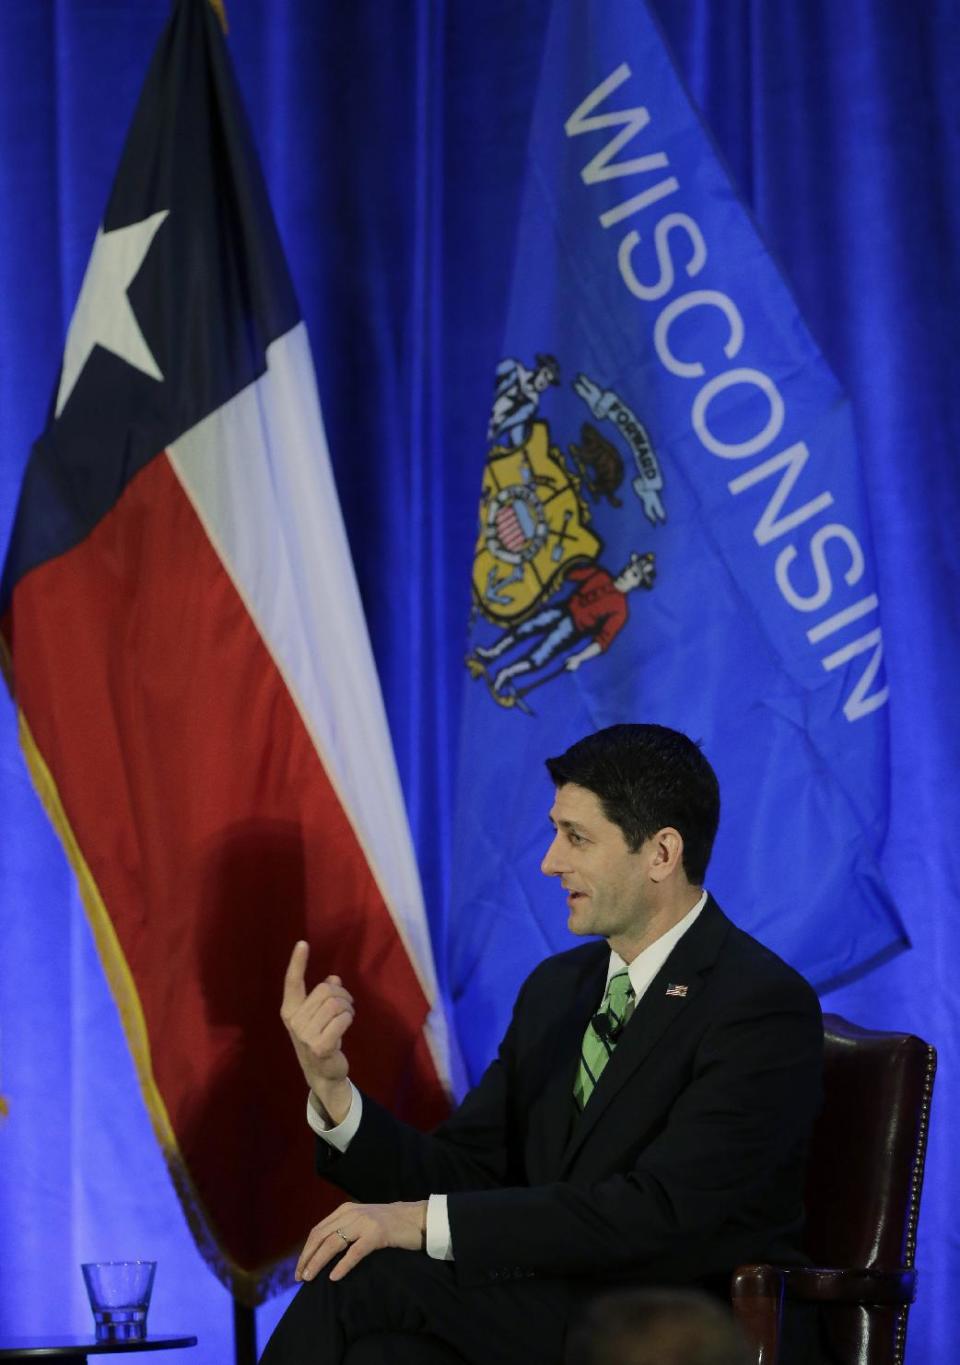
{"type": "Point", "coordinates": [595, 611]}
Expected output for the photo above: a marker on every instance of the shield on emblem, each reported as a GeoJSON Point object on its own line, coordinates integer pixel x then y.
{"type": "Point", "coordinates": [532, 527]}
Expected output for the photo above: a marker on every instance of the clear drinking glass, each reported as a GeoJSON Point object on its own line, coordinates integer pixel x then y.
{"type": "Point", "coordinates": [119, 1293]}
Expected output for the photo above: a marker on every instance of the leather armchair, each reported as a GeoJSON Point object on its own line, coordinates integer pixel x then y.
{"type": "Point", "coordinates": [864, 1178]}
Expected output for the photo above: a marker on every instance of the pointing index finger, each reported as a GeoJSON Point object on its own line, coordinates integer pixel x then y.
{"type": "Point", "coordinates": [294, 981]}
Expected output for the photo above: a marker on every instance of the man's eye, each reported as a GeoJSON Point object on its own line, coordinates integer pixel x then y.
{"type": "Point", "coordinates": [575, 838]}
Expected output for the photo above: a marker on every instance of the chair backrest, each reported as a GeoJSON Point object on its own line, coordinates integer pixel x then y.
{"type": "Point", "coordinates": [864, 1178]}
{"type": "Point", "coordinates": [865, 1169]}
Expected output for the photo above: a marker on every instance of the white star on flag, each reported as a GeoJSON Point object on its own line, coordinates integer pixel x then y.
{"type": "Point", "coordinates": [103, 315]}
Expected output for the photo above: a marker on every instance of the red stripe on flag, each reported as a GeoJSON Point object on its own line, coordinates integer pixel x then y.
{"type": "Point", "coordinates": [216, 840]}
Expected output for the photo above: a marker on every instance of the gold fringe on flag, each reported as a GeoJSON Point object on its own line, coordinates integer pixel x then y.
{"type": "Point", "coordinates": [220, 11]}
{"type": "Point", "coordinates": [250, 1287]}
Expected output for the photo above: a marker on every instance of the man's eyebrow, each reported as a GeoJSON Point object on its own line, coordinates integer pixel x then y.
{"type": "Point", "coordinates": [567, 824]}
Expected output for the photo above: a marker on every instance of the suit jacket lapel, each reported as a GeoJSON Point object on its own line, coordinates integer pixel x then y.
{"type": "Point", "coordinates": [688, 966]}
{"type": "Point", "coordinates": [556, 1108]}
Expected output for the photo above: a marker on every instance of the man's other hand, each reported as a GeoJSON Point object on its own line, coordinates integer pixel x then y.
{"type": "Point", "coordinates": [316, 1024]}
{"type": "Point", "coordinates": [356, 1230]}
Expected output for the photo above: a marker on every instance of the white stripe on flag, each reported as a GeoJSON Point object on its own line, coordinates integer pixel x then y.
{"type": "Point", "coordinates": [257, 471]}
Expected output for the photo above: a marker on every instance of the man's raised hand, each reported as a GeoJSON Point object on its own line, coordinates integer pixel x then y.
{"type": "Point", "coordinates": [316, 1024]}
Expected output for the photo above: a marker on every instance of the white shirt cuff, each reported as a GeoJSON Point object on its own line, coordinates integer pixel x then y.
{"type": "Point", "coordinates": [339, 1135]}
{"type": "Point", "coordinates": [439, 1241]}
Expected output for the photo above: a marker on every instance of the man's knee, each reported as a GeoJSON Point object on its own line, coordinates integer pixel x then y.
{"type": "Point", "coordinates": [398, 1348]}
{"type": "Point", "coordinates": [388, 1291]}
{"type": "Point", "coordinates": [377, 1273]}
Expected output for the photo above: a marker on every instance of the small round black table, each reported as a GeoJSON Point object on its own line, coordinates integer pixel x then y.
{"type": "Point", "coordinates": [76, 1349]}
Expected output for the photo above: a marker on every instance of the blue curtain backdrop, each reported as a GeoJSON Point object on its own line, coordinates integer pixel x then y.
{"type": "Point", "coordinates": [393, 138]}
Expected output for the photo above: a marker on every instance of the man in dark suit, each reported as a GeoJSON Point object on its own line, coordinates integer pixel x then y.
{"type": "Point", "coordinates": [645, 1120]}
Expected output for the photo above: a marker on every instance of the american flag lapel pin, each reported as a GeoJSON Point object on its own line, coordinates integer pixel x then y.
{"type": "Point", "coordinates": [675, 988]}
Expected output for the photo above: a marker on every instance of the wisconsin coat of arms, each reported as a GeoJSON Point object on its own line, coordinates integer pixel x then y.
{"type": "Point", "coordinates": [537, 574]}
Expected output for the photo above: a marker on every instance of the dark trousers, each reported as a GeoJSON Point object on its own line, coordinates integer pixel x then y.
{"type": "Point", "coordinates": [431, 1319]}
{"type": "Point", "coordinates": [401, 1308]}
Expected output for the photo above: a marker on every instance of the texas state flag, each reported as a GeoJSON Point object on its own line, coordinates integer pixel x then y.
{"type": "Point", "coordinates": [185, 643]}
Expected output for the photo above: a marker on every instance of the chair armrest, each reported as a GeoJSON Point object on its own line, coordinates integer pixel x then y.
{"type": "Point", "coordinates": [756, 1293]}
{"type": "Point", "coordinates": [825, 1284]}
{"type": "Point", "coordinates": [821, 1284]}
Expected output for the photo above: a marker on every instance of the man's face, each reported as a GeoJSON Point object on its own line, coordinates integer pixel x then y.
{"type": "Point", "coordinates": [541, 380]}
{"type": "Point", "coordinates": [629, 578]}
{"type": "Point", "coordinates": [636, 572]}
{"type": "Point", "coordinates": [608, 887]}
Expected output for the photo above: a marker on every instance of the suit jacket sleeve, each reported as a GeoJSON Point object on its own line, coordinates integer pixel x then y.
{"type": "Point", "coordinates": [475, 1149]}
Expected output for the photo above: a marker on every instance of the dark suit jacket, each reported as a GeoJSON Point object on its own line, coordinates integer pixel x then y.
{"type": "Point", "coordinates": [688, 1158]}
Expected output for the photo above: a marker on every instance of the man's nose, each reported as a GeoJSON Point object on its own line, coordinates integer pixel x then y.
{"type": "Point", "coordinates": [551, 866]}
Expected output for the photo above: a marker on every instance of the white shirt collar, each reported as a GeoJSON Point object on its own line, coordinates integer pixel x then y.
{"type": "Point", "coordinates": [646, 964]}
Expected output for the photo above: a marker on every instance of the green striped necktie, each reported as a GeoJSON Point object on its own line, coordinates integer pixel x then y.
{"type": "Point", "coordinates": [597, 1048]}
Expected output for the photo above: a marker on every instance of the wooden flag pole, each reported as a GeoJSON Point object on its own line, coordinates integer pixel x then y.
{"type": "Point", "coordinates": [244, 1334]}
{"type": "Point", "coordinates": [244, 1317]}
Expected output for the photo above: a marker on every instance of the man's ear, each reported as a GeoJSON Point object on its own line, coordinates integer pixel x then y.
{"type": "Point", "coordinates": [667, 853]}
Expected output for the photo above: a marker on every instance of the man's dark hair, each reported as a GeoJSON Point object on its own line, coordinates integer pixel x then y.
{"type": "Point", "coordinates": [657, 1327]}
{"type": "Point", "coordinates": [551, 364]}
{"type": "Point", "coordinates": [647, 777]}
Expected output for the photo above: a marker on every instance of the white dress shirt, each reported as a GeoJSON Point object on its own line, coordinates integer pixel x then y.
{"type": "Point", "coordinates": [641, 970]}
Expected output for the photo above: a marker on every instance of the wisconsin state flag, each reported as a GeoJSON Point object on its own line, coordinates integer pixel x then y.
{"type": "Point", "coordinates": [672, 527]}
{"type": "Point", "coordinates": [185, 643]}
